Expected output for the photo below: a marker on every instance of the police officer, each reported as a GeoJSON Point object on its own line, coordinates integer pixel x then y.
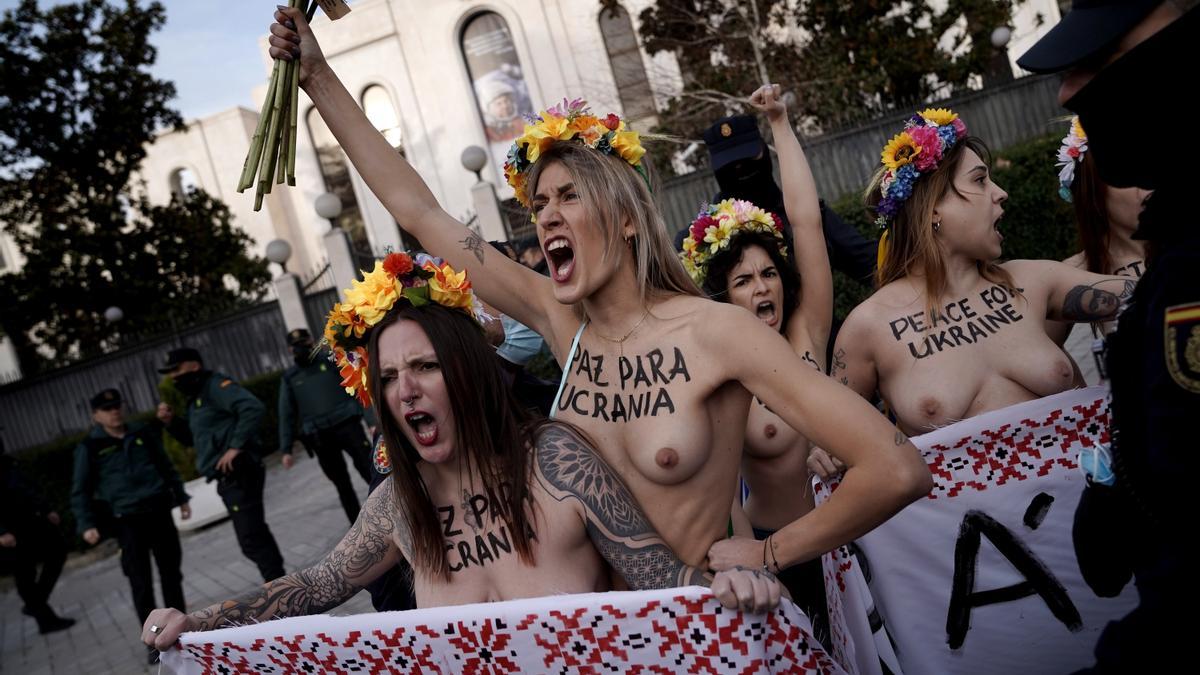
{"type": "Point", "coordinates": [222, 423]}
{"type": "Point", "coordinates": [29, 537]}
{"type": "Point", "coordinates": [1123, 59]}
{"type": "Point", "coordinates": [125, 467]}
{"type": "Point", "coordinates": [331, 421]}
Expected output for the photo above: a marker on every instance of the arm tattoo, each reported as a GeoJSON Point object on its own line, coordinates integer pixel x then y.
{"type": "Point", "coordinates": [570, 469]}
{"type": "Point", "coordinates": [352, 564]}
{"type": "Point", "coordinates": [808, 358]}
{"type": "Point", "coordinates": [475, 244]}
{"type": "Point", "coordinates": [1088, 303]}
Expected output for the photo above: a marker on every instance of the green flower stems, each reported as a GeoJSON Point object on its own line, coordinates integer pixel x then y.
{"type": "Point", "coordinates": [277, 126]}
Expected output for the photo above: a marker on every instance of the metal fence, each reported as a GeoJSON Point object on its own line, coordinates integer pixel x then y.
{"type": "Point", "coordinates": [843, 161]}
{"type": "Point", "coordinates": [316, 308]}
{"type": "Point", "coordinates": [39, 409]}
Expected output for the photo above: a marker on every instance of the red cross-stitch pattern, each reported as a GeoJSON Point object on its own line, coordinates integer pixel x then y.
{"type": "Point", "coordinates": [680, 634]}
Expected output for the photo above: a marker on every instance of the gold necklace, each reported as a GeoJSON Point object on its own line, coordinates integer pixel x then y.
{"type": "Point", "coordinates": [621, 342]}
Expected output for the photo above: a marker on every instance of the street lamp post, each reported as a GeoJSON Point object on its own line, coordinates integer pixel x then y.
{"type": "Point", "coordinates": [489, 222]}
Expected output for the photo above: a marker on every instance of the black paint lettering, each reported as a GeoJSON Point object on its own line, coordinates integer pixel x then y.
{"type": "Point", "coordinates": [950, 311]}
{"type": "Point", "coordinates": [1011, 313]}
{"type": "Point", "coordinates": [618, 410]}
{"type": "Point", "coordinates": [578, 394]}
{"type": "Point", "coordinates": [898, 327]}
{"type": "Point", "coordinates": [956, 332]}
{"type": "Point", "coordinates": [915, 321]}
{"type": "Point", "coordinates": [640, 374]}
{"type": "Point", "coordinates": [966, 309]}
{"type": "Point", "coordinates": [976, 332]}
{"type": "Point", "coordinates": [598, 364]}
{"type": "Point", "coordinates": [482, 550]}
{"type": "Point", "coordinates": [663, 401]}
{"type": "Point", "coordinates": [464, 552]}
{"type": "Point", "coordinates": [656, 361]}
{"type": "Point", "coordinates": [1037, 510]}
{"type": "Point", "coordinates": [599, 405]}
{"type": "Point", "coordinates": [624, 370]}
{"type": "Point", "coordinates": [928, 349]}
{"type": "Point", "coordinates": [453, 567]}
{"type": "Point", "coordinates": [585, 366]}
{"type": "Point", "coordinates": [479, 506]}
{"type": "Point", "coordinates": [635, 405]}
{"type": "Point", "coordinates": [499, 543]}
{"type": "Point", "coordinates": [941, 341]}
{"type": "Point", "coordinates": [994, 296]}
{"type": "Point", "coordinates": [448, 521]}
{"type": "Point", "coordinates": [1038, 579]}
{"type": "Point", "coordinates": [565, 401]}
{"type": "Point", "coordinates": [680, 367]}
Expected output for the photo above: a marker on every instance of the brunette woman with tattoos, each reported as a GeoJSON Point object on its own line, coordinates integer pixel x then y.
{"type": "Point", "coordinates": [658, 376]}
{"type": "Point", "coordinates": [485, 503]}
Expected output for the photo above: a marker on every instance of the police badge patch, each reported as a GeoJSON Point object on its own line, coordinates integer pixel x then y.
{"type": "Point", "coordinates": [379, 457]}
{"type": "Point", "coordinates": [1182, 335]}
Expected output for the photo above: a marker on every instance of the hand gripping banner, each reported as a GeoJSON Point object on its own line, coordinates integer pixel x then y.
{"type": "Point", "coordinates": [677, 630]}
{"type": "Point", "coordinates": [980, 576]}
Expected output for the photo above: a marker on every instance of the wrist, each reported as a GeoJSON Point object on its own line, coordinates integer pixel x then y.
{"type": "Point", "coordinates": [318, 77]}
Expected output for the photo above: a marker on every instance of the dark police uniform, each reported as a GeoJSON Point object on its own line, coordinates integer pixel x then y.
{"type": "Point", "coordinates": [25, 515]}
{"type": "Point", "coordinates": [221, 416]}
{"type": "Point", "coordinates": [133, 477]}
{"type": "Point", "coordinates": [330, 423]}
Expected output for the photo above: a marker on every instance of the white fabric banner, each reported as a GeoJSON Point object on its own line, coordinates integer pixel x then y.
{"type": "Point", "coordinates": [677, 630]}
{"type": "Point", "coordinates": [981, 576]}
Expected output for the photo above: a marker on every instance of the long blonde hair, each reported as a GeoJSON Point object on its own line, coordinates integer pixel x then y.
{"type": "Point", "coordinates": [613, 192]}
{"type": "Point", "coordinates": [912, 246]}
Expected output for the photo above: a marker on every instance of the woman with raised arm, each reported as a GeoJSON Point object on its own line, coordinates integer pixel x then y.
{"type": "Point", "coordinates": [484, 502]}
{"type": "Point", "coordinates": [951, 333]}
{"type": "Point", "coordinates": [736, 253]}
{"type": "Point", "coordinates": [658, 376]}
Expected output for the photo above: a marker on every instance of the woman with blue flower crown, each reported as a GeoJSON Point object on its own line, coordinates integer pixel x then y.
{"type": "Point", "coordinates": [951, 332]}
{"type": "Point", "coordinates": [658, 376]}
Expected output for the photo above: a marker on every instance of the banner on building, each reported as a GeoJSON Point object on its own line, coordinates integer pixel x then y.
{"type": "Point", "coordinates": [501, 93]}
{"type": "Point", "coordinates": [678, 630]}
{"type": "Point", "coordinates": [981, 576]}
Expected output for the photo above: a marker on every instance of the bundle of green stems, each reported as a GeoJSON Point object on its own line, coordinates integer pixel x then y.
{"type": "Point", "coordinates": [272, 156]}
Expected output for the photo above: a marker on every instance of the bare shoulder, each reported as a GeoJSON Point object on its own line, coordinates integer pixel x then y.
{"type": "Point", "coordinates": [1078, 261]}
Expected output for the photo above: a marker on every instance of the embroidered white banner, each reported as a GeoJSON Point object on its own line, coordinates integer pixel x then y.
{"type": "Point", "coordinates": [678, 630]}
{"type": "Point", "coordinates": [981, 576]}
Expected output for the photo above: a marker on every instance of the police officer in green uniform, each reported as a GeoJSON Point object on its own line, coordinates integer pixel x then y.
{"type": "Point", "coordinates": [125, 467]}
{"type": "Point", "coordinates": [1128, 60]}
{"type": "Point", "coordinates": [222, 423]}
{"type": "Point", "coordinates": [330, 420]}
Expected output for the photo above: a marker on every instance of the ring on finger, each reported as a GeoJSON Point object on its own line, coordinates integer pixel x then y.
{"type": "Point", "coordinates": [154, 629]}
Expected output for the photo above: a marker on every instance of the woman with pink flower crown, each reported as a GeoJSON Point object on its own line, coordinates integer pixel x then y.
{"type": "Point", "coordinates": [951, 333]}
{"type": "Point", "coordinates": [658, 376]}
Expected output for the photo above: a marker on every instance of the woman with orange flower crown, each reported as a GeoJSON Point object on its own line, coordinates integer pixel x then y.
{"type": "Point", "coordinates": [484, 502]}
{"type": "Point", "coordinates": [659, 376]}
{"type": "Point", "coordinates": [951, 333]}
{"type": "Point", "coordinates": [1105, 217]}
{"type": "Point", "coordinates": [736, 253]}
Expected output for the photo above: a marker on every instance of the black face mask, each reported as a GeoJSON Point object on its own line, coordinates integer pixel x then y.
{"type": "Point", "coordinates": [189, 383]}
{"type": "Point", "coordinates": [302, 354]}
{"type": "Point", "coordinates": [1146, 81]}
{"type": "Point", "coordinates": [752, 180]}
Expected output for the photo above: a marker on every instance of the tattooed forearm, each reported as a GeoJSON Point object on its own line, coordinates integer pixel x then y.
{"type": "Point", "coordinates": [365, 552]}
{"type": "Point", "coordinates": [475, 244]}
{"type": "Point", "coordinates": [569, 468]}
{"type": "Point", "coordinates": [1089, 303]}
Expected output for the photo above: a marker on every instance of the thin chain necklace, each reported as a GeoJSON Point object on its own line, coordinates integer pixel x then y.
{"type": "Point", "coordinates": [621, 341]}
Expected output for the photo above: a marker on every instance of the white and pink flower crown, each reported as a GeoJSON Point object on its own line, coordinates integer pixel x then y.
{"type": "Point", "coordinates": [1070, 154]}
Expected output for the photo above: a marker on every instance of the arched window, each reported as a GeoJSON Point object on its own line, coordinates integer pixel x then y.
{"type": "Point", "coordinates": [629, 73]}
{"type": "Point", "coordinates": [182, 182]}
{"type": "Point", "coordinates": [377, 104]}
{"type": "Point", "coordinates": [498, 80]}
{"type": "Point", "coordinates": [336, 172]}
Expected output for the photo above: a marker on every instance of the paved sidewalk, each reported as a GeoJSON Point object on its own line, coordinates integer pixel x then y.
{"type": "Point", "coordinates": [305, 516]}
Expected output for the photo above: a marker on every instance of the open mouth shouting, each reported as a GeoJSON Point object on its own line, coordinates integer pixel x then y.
{"type": "Point", "coordinates": [424, 426]}
{"type": "Point", "coordinates": [561, 259]}
{"type": "Point", "coordinates": [765, 311]}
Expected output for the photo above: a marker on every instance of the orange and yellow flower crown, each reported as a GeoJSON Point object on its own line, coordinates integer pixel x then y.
{"type": "Point", "coordinates": [717, 225]}
{"type": "Point", "coordinates": [397, 278]}
{"type": "Point", "coordinates": [570, 120]}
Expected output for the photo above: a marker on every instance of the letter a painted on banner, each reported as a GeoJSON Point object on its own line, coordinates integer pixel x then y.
{"type": "Point", "coordinates": [1038, 579]}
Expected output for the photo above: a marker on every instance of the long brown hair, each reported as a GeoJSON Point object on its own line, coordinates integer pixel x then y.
{"type": "Point", "coordinates": [612, 192]}
{"type": "Point", "coordinates": [912, 245]}
{"type": "Point", "coordinates": [716, 282]}
{"type": "Point", "coordinates": [493, 431]}
{"type": "Point", "coordinates": [1091, 215]}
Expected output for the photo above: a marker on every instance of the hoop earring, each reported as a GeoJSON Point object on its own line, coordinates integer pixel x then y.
{"type": "Point", "coordinates": [937, 225]}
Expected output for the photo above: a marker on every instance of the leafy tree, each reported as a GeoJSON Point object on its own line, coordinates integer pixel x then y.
{"type": "Point", "coordinates": [78, 107]}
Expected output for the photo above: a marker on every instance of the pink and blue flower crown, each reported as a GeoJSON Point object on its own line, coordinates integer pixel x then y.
{"type": "Point", "coordinates": [914, 152]}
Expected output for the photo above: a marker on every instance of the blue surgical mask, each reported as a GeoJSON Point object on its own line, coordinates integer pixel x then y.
{"type": "Point", "coordinates": [521, 343]}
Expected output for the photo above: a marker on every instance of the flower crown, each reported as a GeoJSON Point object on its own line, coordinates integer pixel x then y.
{"type": "Point", "coordinates": [570, 120]}
{"type": "Point", "coordinates": [715, 227]}
{"type": "Point", "coordinates": [1074, 145]}
{"type": "Point", "coordinates": [397, 277]}
{"type": "Point", "coordinates": [916, 151]}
